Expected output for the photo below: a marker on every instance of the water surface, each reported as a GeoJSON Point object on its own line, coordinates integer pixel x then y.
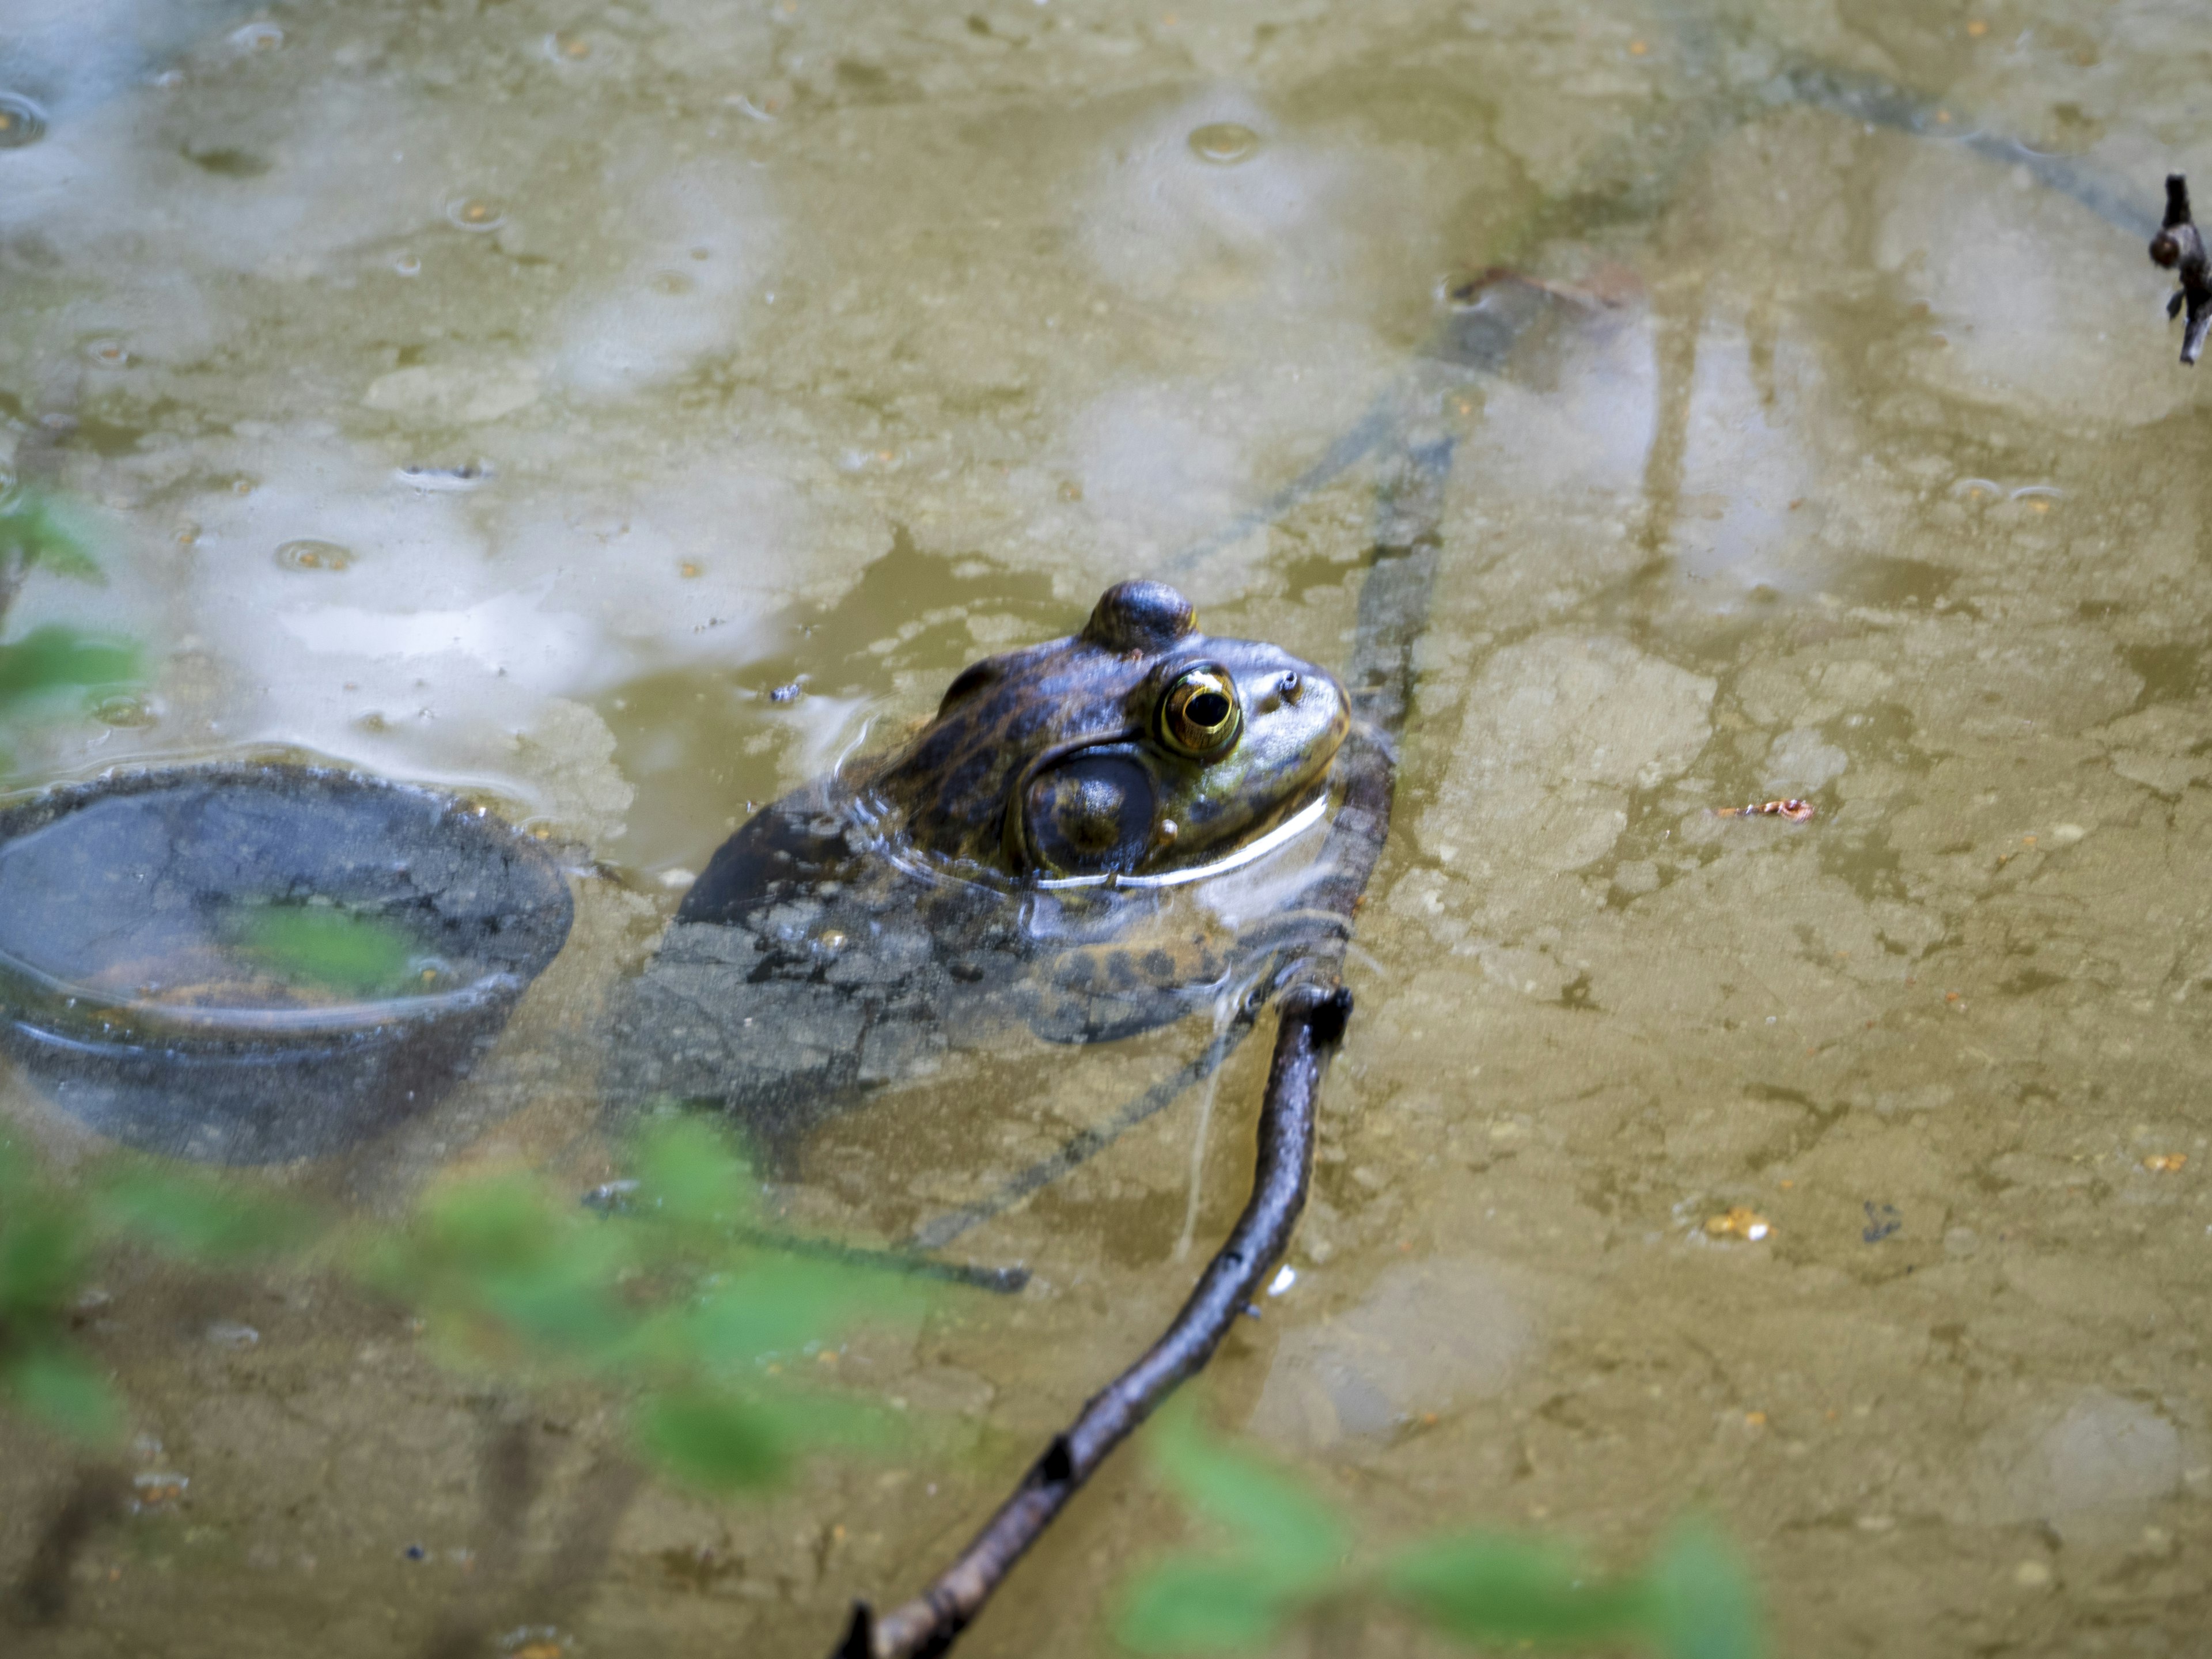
{"type": "Point", "coordinates": [514, 397]}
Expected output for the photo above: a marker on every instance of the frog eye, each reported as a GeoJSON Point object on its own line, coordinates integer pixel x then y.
{"type": "Point", "coordinates": [1199, 716]}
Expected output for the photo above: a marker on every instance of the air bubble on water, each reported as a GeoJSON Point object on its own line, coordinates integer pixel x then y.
{"type": "Point", "coordinates": [567, 48]}
{"type": "Point", "coordinates": [447, 480]}
{"type": "Point", "coordinates": [408, 266]}
{"type": "Point", "coordinates": [2030, 492]}
{"type": "Point", "coordinates": [476, 213]}
{"type": "Point", "coordinates": [126, 710]}
{"type": "Point", "coordinates": [1978, 489]}
{"type": "Point", "coordinates": [21, 121]}
{"type": "Point", "coordinates": [308, 554]}
{"type": "Point", "coordinates": [107, 353]}
{"type": "Point", "coordinates": [258, 37]}
{"type": "Point", "coordinates": [1224, 143]}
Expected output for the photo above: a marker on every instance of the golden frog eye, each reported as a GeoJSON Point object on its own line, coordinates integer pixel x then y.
{"type": "Point", "coordinates": [1199, 716]}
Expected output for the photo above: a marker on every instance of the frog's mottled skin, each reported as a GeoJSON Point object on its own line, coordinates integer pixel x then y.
{"type": "Point", "coordinates": [850, 932]}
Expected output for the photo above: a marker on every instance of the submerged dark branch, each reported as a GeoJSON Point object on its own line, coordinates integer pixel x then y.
{"type": "Point", "coordinates": [95, 1495]}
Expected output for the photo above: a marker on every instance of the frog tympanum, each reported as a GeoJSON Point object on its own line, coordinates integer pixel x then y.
{"type": "Point", "coordinates": [1018, 859]}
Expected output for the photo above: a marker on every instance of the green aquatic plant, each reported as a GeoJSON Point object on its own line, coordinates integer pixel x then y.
{"type": "Point", "coordinates": [677, 1300]}
{"type": "Point", "coordinates": [669, 1294]}
{"type": "Point", "coordinates": [50, 1240]}
{"type": "Point", "coordinates": [322, 947]}
{"type": "Point", "coordinates": [1289, 1554]}
{"type": "Point", "coordinates": [39, 531]}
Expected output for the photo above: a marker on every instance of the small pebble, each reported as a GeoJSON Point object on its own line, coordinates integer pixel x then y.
{"type": "Point", "coordinates": [1738, 1223]}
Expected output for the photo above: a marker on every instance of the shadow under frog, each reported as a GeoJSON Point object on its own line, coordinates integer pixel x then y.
{"type": "Point", "coordinates": [1025, 861]}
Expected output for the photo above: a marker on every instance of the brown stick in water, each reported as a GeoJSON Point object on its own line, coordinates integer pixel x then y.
{"type": "Point", "coordinates": [1312, 1023]}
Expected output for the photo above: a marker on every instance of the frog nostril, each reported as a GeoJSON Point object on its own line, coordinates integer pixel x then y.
{"type": "Point", "coordinates": [1292, 688]}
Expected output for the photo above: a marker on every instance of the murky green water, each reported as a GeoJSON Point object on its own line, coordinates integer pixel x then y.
{"type": "Point", "coordinates": [512, 396]}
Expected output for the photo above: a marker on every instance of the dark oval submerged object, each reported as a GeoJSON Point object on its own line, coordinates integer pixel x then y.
{"type": "Point", "coordinates": [247, 963]}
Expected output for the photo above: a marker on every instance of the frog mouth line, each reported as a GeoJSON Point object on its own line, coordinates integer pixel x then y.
{"type": "Point", "coordinates": [1288, 831]}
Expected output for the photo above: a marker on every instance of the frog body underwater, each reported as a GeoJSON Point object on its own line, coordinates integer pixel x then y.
{"type": "Point", "coordinates": [1016, 862]}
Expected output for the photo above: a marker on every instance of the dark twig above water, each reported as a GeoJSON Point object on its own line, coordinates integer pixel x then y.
{"type": "Point", "coordinates": [1312, 1023]}
{"type": "Point", "coordinates": [2179, 248]}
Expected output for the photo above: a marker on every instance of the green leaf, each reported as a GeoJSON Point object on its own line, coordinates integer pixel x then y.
{"type": "Point", "coordinates": [690, 1173]}
{"type": "Point", "coordinates": [196, 1216]}
{"type": "Point", "coordinates": [328, 949]}
{"type": "Point", "coordinates": [37, 530]}
{"type": "Point", "coordinates": [1488, 1587]}
{"type": "Point", "coordinates": [1199, 1607]}
{"type": "Point", "coordinates": [1281, 1526]}
{"type": "Point", "coordinates": [63, 1392]}
{"type": "Point", "coordinates": [775, 1307]}
{"type": "Point", "coordinates": [42, 1257]}
{"type": "Point", "coordinates": [1704, 1604]}
{"type": "Point", "coordinates": [54, 656]}
{"type": "Point", "coordinates": [499, 1256]}
{"type": "Point", "coordinates": [714, 1440]}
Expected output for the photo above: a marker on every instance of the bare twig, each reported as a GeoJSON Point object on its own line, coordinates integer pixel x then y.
{"type": "Point", "coordinates": [2179, 248]}
{"type": "Point", "coordinates": [1312, 1023]}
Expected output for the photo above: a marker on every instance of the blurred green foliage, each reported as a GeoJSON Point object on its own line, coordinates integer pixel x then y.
{"type": "Point", "coordinates": [674, 1303]}
{"type": "Point", "coordinates": [671, 1297]}
{"type": "Point", "coordinates": [38, 532]}
{"type": "Point", "coordinates": [1290, 1552]}
{"type": "Point", "coordinates": [330, 948]}
{"type": "Point", "coordinates": [49, 1242]}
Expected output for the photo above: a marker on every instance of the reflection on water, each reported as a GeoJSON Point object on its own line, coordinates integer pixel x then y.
{"type": "Point", "coordinates": [531, 400]}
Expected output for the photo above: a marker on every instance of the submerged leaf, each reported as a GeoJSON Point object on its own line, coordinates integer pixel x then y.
{"type": "Point", "coordinates": [1704, 1605]}
{"type": "Point", "coordinates": [54, 656]}
{"type": "Point", "coordinates": [38, 530]}
{"type": "Point", "coordinates": [42, 1256]}
{"type": "Point", "coordinates": [1198, 1607]}
{"type": "Point", "coordinates": [328, 949]}
{"type": "Point", "coordinates": [64, 1392]}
